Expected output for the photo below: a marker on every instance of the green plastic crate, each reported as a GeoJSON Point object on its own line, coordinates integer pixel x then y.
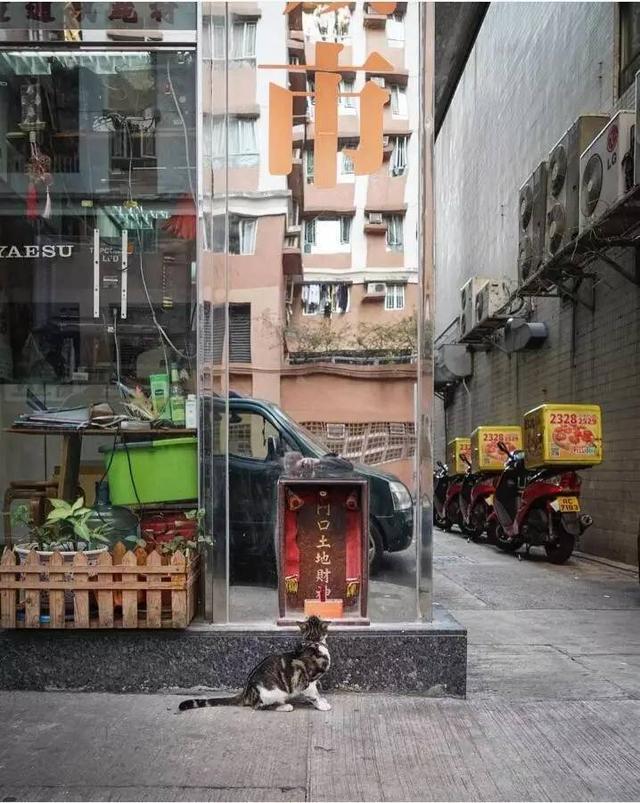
{"type": "Point", "coordinates": [163, 471]}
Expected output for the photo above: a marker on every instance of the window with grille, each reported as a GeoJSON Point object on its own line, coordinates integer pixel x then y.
{"type": "Point", "coordinates": [398, 161]}
{"type": "Point", "coordinates": [242, 43]}
{"type": "Point", "coordinates": [327, 235]}
{"type": "Point", "coordinates": [239, 333]}
{"type": "Point", "coordinates": [309, 166]}
{"type": "Point", "coordinates": [242, 235]}
{"type": "Point", "coordinates": [347, 105]}
{"type": "Point", "coordinates": [371, 443]}
{"type": "Point", "coordinates": [394, 297]}
{"type": "Point", "coordinates": [398, 101]}
{"type": "Point", "coordinates": [395, 236]}
{"type": "Point", "coordinates": [629, 44]}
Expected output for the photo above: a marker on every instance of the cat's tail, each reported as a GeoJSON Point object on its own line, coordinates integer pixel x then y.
{"type": "Point", "coordinates": [187, 705]}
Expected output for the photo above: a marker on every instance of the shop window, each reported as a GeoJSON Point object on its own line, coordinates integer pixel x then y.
{"type": "Point", "coordinates": [242, 142]}
{"type": "Point", "coordinates": [398, 161]}
{"type": "Point", "coordinates": [629, 44]}
{"type": "Point", "coordinates": [327, 236]}
{"type": "Point", "coordinates": [394, 297]}
{"type": "Point", "coordinates": [249, 435]}
{"type": "Point", "coordinates": [325, 299]}
{"type": "Point", "coordinates": [399, 106]}
{"type": "Point", "coordinates": [395, 234]}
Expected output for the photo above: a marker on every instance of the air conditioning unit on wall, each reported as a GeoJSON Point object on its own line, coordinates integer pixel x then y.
{"type": "Point", "coordinates": [490, 302]}
{"type": "Point", "coordinates": [531, 221]}
{"type": "Point", "coordinates": [376, 290]}
{"type": "Point", "coordinates": [468, 293]}
{"type": "Point", "coordinates": [563, 181]}
{"type": "Point", "coordinates": [606, 168]}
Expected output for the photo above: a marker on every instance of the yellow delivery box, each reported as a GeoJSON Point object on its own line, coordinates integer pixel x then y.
{"type": "Point", "coordinates": [485, 454]}
{"type": "Point", "coordinates": [563, 435]}
{"type": "Point", "coordinates": [455, 449]}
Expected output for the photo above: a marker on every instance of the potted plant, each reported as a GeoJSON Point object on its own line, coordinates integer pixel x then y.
{"type": "Point", "coordinates": [65, 530]}
{"type": "Point", "coordinates": [174, 536]}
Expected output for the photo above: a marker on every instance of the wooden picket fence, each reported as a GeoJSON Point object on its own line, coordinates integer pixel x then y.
{"type": "Point", "coordinates": [120, 589]}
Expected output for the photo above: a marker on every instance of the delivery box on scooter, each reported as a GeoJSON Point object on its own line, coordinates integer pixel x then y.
{"type": "Point", "coordinates": [485, 454]}
{"type": "Point", "coordinates": [563, 435]}
{"type": "Point", "coordinates": [455, 449]}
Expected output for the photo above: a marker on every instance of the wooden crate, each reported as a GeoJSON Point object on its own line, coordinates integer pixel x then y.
{"type": "Point", "coordinates": [123, 589]}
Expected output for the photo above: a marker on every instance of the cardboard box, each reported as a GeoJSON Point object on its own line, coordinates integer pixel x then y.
{"type": "Point", "coordinates": [485, 454]}
{"type": "Point", "coordinates": [455, 449]}
{"type": "Point", "coordinates": [563, 435]}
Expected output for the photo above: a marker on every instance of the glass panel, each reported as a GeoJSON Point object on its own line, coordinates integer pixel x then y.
{"type": "Point", "coordinates": [97, 241]}
{"type": "Point", "coordinates": [313, 319]}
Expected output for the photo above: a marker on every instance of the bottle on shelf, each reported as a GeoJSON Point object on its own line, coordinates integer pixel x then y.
{"type": "Point", "coordinates": [177, 399]}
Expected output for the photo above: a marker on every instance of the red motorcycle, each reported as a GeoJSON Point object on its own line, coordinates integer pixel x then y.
{"type": "Point", "coordinates": [537, 508]}
{"type": "Point", "coordinates": [452, 513]}
{"type": "Point", "coordinates": [476, 503]}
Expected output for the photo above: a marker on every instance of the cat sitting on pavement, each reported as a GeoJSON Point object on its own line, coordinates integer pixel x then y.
{"type": "Point", "coordinates": [284, 677]}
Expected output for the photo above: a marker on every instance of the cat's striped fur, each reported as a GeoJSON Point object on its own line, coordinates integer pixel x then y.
{"type": "Point", "coordinates": [281, 678]}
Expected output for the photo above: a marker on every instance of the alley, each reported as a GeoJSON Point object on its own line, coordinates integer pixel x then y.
{"type": "Point", "coordinates": [553, 712]}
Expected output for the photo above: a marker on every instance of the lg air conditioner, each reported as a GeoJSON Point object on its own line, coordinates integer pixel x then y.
{"type": "Point", "coordinates": [491, 302]}
{"type": "Point", "coordinates": [563, 181]}
{"type": "Point", "coordinates": [531, 222]}
{"type": "Point", "coordinates": [468, 294]}
{"type": "Point", "coordinates": [606, 168]}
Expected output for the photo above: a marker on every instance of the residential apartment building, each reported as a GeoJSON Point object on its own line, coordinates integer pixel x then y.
{"type": "Point", "coordinates": [322, 285]}
{"type": "Point", "coordinates": [512, 105]}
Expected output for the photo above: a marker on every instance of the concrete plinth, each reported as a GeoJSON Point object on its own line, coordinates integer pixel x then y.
{"type": "Point", "coordinates": [423, 658]}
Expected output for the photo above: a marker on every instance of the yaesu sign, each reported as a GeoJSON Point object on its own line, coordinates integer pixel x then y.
{"type": "Point", "coordinates": [36, 251]}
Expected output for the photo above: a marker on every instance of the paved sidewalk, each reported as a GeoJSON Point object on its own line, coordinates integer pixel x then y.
{"type": "Point", "coordinates": [553, 712]}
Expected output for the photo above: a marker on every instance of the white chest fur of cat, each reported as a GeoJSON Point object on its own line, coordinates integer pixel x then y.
{"type": "Point", "coordinates": [281, 679]}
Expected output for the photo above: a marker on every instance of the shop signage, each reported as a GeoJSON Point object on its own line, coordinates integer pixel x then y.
{"type": "Point", "coordinates": [35, 251]}
{"type": "Point", "coordinates": [368, 156]}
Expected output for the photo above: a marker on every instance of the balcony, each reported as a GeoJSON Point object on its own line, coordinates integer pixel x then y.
{"type": "Point", "coordinates": [291, 253]}
{"type": "Point", "coordinates": [373, 21]}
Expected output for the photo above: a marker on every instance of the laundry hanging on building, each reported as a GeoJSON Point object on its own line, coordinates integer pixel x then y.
{"type": "Point", "coordinates": [325, 298]}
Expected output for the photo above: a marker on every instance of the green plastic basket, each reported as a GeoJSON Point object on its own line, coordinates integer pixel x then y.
{"type": "Point", "coordinates": [163, 471]}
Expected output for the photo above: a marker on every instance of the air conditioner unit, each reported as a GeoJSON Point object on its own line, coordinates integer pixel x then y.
{"type": "Point", "coordinates": [563, 181]}
{"type": "Point", "coordinates": [606, 168]}
{"type": "Point", "coordinates": [374, 217]}
{"type": "Point", "coordinates": [468, 295]}
{"type": "Point", "coordinates": [531, 221]}
{"type": "Point", "coordinates": [489, 303]}
{"type": "Point", "coordinates": [376, 289]}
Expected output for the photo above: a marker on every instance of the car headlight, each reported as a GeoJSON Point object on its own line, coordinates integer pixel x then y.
{"type": "Point", "coordinates": [401, 496]}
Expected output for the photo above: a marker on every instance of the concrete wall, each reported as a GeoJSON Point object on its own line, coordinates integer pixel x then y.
{"type": "Point", "coordinates": [533, 70]}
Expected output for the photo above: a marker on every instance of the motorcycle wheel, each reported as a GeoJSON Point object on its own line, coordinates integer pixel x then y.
{"type": "Point", "coordinates": [442, 522]}
{"type": "Point", "coordinates": [560, 550]}
{"type": "Point", "coordinates": [456, 514]}
{"type": "Point", "coordinates": [506, 544]}
{"type": "Point", "coordinates": [478, 520]}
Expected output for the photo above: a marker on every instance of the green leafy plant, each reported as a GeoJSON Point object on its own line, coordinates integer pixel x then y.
{"type": "Point", "coordinates": [178, 541]}
{"type": "Point", "coordinates": [64, 528]}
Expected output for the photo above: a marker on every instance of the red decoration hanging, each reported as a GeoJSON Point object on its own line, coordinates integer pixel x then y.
{"type": "Point", "coordinates": [182, 224]}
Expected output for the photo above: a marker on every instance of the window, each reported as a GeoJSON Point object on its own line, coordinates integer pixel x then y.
{"type": "Point", "coordinates": [242, 42]}
{"type": "Point", "coordinates": [249, 435]}
{"type": "Point", "coordinates": [243, 144]}
{"type": "Point", "coordinates": [325, 299]}
{"type": "Point", "coordinates": [398, 101]}
{"type": "Point", "coordinates": [395, 240]}
{"type": "Point", "coordinates": [327, 26]}
{"type": "Point", "coordinates": [394, 297]}
{"type": "Point", "coordinates": [629, 44]}
{"type": "Point", "coordinates": [239, 333]}
{"type": "Point", "coordinates": [395, 30]}
{"type": "Point", "coordinates": [242, 235]}
{"type": "Point", "coordinates": [311, 100]}
{"type": "Point", "coordinates": [327, 235]}
{"type": "Point", "coordinates": [346, 165]}
{"type": "Point", "coordinates": [398, 161]}
{"type": "Point", "coordinates": [309, 169]}
{"type": "Point", "coordinates": [347, 105]}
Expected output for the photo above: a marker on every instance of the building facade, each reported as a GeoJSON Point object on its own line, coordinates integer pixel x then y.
{"type": "Point", "coordinates": [534, 69]}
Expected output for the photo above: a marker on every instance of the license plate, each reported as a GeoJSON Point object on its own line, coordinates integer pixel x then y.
{"type": "Point", "coordinates": [566, 504]}
{"type": "Point", "coordinates": [489, 500]}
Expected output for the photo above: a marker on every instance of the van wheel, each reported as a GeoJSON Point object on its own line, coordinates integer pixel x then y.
{"type": "Point", "coordinates": [376, 548]}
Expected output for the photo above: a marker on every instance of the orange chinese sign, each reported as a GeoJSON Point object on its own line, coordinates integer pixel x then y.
{"type": "Point", "coordinates": [368, 156]}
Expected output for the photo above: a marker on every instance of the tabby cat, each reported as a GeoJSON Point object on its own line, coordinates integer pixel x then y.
{"type": "Point", "coordinates": [284, 677]}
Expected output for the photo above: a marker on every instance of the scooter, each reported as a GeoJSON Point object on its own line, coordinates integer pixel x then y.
{"type": "Point", "coordinates": [476, 503]}
{"type": "Point", "coordinates": [440, 484]}
{"type": "Point", "coordinates": [468, 483]}
{"type": "Point", "coordinates": [539, 507]}
{"type": "Point", "coordinates": [452, 513]}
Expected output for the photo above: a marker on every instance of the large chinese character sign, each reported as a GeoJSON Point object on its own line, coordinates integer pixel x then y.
{"type": "Point", "coordinates": [323, 537]}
